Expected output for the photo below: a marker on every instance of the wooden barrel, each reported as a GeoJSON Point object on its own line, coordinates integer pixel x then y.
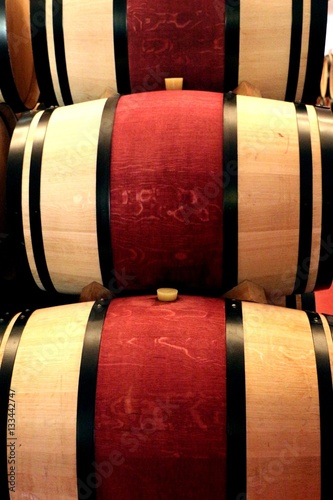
{"type": "Point", "coordinates": [7, 124]}
{"type": "Point", "coordinates": [18, 83]}
{"type": "Point", "coordinates": [142, 399]}
{"type": "Point", "coordinates": [326, 82]}
{"type": "Point", "coordinates": [193, 190]}
{"type": "Point", "coordinates": [84, 49]}
{"type": "Point", "coordinates": [320, 301]}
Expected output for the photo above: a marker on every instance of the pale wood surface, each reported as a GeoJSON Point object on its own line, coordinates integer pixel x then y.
{"type": "Point", "coordinates": [324, 76]}
{"type": "Point", "coordinates": [25, 195]}
{"type": "Point", "coordinates": [317, 198]}
{"type": "Point", "coordinates": [268, 193]}
{"type": "Point", "coordinates": [89, 46]}
{"type": "Point", "coordinates": [282, 406]}
{"type": "Point", "coordinates": [45, 379]}
{"type": "Point", "coordinates": [304, 48]}
{"type": "Point", "coordinates": [264, 59]}
{"type": "Point", "coordinates": [68, 196]}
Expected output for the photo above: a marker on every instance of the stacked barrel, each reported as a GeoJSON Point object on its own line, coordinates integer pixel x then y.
{"type": "Point", "coordinates": [108, 178]}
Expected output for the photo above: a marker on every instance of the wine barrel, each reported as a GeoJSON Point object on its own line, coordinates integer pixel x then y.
{"type": "Point", "coordinates": [326, 82]}
{"type": "Point", "coordinates": [320, 301]}
{"type": "Point", "coordinates": [193, 190]}
{"type": "Point", "coordinates": [198, 398]}
{"type": "Point", "coordinates": [18, 83]}
{"type": "Point", "coordinates": [7, 124]}
{"type": "Point", "coordinates": [84, 49]}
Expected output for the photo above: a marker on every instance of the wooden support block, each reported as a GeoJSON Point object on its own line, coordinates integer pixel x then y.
{"type": "Point", "coordinates": [95, 291]}
{"type": "Point", "coordinates": [249, 291]}
{"type": "Point", "coordinates": [246, 88]}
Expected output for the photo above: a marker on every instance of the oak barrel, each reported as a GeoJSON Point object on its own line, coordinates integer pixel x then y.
{"type": "Point", "coordinates": [84, 49]}
{"type": "Point", "coordinates": [188, 189]}
{"type": "Point", "coordinates": [198, 398]}
{"type": "Point", "coordinates": [320, 301]}
{"type": "Point", "coordinates": [326, 81]}
{"type": "Point", "coordinates": [8, 122]}
{"type": "Point", "coordinates": [18, 83]}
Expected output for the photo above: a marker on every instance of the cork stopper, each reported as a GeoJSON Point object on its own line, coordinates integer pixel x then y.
{"type": "Point", "coordinates": [167, 294]}
{"type": "Point", "coordinates": [174, 83]}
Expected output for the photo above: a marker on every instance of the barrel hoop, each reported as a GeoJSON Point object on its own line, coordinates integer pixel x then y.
{"type": "Point", "coordinates": [308, 301]}
{"type": "Point", "coordinates": [325, 266]}
{"type": "Point", "coordinates": [5, 318]}
{"type": "Point", "coordinates": [306, 198]}
{"type": "Point", "coordinates": [103, 219]}
{"type": "Point", "coordinates": [6, 371]}
{"type": "Point", "coordinates": [291, 302]}
{"type": "Point", "coordinates": [230, 196]}
{"type": "Point", "coordinates": [121, 46]}
{"type": "Point", "coordinates": [85, 443]}
{"type": "Point", "coordinates": [59, 48]}
{"type": "Point", "coordinates": [7, 82]}
{"type": "Point", "coordinates": [236, 402]}
{"type": "Point", "coordinates": [232, 44]}
{"type": "Point", "coordinates": [40, 51]}
{"type": "Point", "coordinates": [325, 402]}
{"type": "Point", "coordinates": [295, 49]}
{"type": "Point", "coordinates": [14, 186]}
{"type": "Point", "coordinates": [317, 39]}
{"type": "Point", "coordinates": [36, 229]}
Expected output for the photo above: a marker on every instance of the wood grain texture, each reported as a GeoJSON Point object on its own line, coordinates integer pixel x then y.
{"type": "Point", "coordinates": [160, 411]}
{"type": "Point", "coordinates": [269, 194]}
{"type": "Point", "coordinates": [29, 142]}
{"type": "Point", "coordinates": [326, 81]}
{"type": "Point", "coordinates": [89, 46]}
{"type": "Point", "coordinates": [45, 380]}
{"type": "Point", "coordinates": [68, 196]}
{"type": "Point", "coordinates": [282, 407]}
{"type": "Point", "coordinates": [20, 51]}
{"type": "Point", "coordinates": [265, 35]}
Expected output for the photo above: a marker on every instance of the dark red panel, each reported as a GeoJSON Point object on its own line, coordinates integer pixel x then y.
{"type": "Point", "coordinates": [166, 190]}
{"type": "Point", "coordinates": [173, 38]}
{"type": "Point", "coordinates": [160, 412]}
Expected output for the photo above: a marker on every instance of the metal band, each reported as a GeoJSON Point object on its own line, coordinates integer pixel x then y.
{"type": "Point", "coordinates": [6, 371]}
{"type": "Point", "coordinates": [236, 402]}
{"type": "Point", "coordinates": [36, 229]}
{"type": "Point", "coordinates": [317, 39]}
{"type": "Point", "coordinates": [306, 199]}
{"type": "Point", "coordinates": [232, 42]}
{"type": "Point", "coordinates": [325, 403]}
{"type": "Point", "coordinates": [85, 443]}
{"type": "Point", "coordinates": [40, 52]}
{"type": "Point", "coordinates": [121, 46]}
{"type": "Point", "coordinates": [291, 302]}
{"type": "Point", "coordinates": [7, 82]}
{"type": "Point", "coordinates": [14, 187]}
{"type": "Point", "coordinates": [325, 266]}
{"type": "Point", "coordinates": [5, 319]}
{"type": "Point", "coordinates": [59, 48]}
{"type": "Point", "coordinates": [295, 49]}
{"type": "Point", "coordinates": [103, 168]}
{"type": "Point", "coordinates": [308, 301]}
{"type": "Point", "coordinates": [230, 195]}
